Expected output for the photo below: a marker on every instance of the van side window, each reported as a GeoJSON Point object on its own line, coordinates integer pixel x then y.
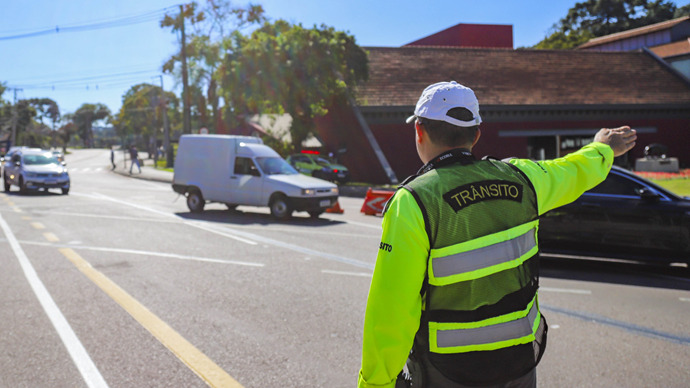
{"type": "Point", "coordinates": [246, 166]}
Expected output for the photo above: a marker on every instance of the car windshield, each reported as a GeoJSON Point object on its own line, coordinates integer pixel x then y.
{"type": "Point", "coordinates": [275, 166]}
{"type": "Point", "coordinates": [322, 161]}
{"type": "Point", "coordinates": [39, 159]}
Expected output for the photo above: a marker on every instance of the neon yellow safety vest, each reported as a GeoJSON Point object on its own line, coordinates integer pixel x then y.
{"type": "Point", "coordinates": [482, 272]}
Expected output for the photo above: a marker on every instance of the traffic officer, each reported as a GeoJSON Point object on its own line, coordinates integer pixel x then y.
{"type": "Point", "coordinates": [454, 290]}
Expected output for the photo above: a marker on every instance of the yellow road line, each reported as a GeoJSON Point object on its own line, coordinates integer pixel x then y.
{"type": "Point", "coordinates": [51, 237]}
{"type": "Point", "coordinates": [198, 362]}
{"type": "Point", "coordinates": [38, 225]}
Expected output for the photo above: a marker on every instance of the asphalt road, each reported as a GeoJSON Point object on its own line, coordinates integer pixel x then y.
{"type": "Point", "coordinates": [117, 284]}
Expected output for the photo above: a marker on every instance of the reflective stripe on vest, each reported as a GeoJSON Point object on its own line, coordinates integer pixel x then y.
{"type": "Point", "coordinates": [483, 256]}
{"type": "Point", "coordinates": [495, 333]}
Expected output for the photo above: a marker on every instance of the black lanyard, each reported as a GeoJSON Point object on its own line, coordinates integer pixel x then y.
{"type": "Point", "coordinates": [457, 155]}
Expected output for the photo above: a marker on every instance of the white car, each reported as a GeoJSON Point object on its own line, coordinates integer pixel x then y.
{"type": "Point", "coordinates": [34, 169]}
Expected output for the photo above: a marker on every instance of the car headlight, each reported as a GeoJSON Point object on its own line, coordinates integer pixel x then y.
{"type": "Point", "coordinates": [308, 191]}
{"type": "Point", "coordinates": [334, 190]}
{"type": "Point", "coordinates": [64, 174]}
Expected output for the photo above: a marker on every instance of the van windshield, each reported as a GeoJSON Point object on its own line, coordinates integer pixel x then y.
{"type": "Point", "coordinates": [275, 166]}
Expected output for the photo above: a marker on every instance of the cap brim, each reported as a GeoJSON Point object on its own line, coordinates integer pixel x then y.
{"type": "Point", "coordinates": [410, 119]}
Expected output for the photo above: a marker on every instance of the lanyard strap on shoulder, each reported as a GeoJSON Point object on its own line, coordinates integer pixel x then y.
{"type": "Point", "coordinates": [457, 155]}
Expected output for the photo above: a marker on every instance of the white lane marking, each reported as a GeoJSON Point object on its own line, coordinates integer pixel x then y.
{"type": "Point", "coordinates": [360, 274]}
{"type": "Point", "coordinates": [87, 368]}
{"type": "Point", "coordinates": [300, 249]}
{"type": "Point", "coordinates": [144, 253]}
{"type": "Point", "coordinates": [103, 216]}
{"type": "Point", "coordinates": [165, 214]}
{"type": "Point", "coordinates": [206, 228]}
{"type": "Point", "coordinates": [684, 299]}
{"type": "Point", "coordinates": [566, 290]}
{"type": "Point", "coordinates": [251, 238]}
{"type": "Point", "coordinates": [378, 227]}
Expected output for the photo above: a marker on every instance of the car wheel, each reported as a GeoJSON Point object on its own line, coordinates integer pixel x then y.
{"type": "Point", "coordinates": [280, 207]}
{"type": "Point", "coordinates": [22, 186]}
{"type": "Point", "coordinates": [231, 206]}
{"type": "Point", "coordinates": [65, 191]}
{"type": "Point", "coordinates": [195, 201]}
{"type": "Point", "coordinates": [7, 184]}
{"type": "Point", "coordinates": [315, 213]}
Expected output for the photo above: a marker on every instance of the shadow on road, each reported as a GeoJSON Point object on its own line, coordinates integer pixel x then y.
{"type": "Point", "coordinates": [616, 272]}
{"type": "Point", "coordinates": [242, 217]}
{"type": "Point", "coordinates": [35, 193]}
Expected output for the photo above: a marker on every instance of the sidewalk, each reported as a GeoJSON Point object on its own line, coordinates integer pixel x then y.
{"type": "Point", "coordinates": [148, 172]}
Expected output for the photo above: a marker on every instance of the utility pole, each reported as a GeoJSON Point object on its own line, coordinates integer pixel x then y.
{"type": "Point", "coordinates": [186, 110]}
{"type": "Point", "coordinates": [14, 119]}
{"type": "Point", "coordinates": [166, 129]}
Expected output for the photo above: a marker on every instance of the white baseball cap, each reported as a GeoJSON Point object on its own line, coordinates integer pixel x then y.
{"type": "Point", "coordinates": [439, 98]}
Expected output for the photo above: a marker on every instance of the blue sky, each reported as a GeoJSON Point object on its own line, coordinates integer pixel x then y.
{"type": "Point", "coordinates": [99, 66]}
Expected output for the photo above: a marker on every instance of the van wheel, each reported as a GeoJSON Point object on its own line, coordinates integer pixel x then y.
{"type": "Point", "coordinates": [195, 201]}
{"type": "Point", "coordinates": [280, 207]}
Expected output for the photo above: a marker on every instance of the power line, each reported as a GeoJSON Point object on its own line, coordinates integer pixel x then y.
{"type": "Point", "coordinates": [67, 82]}
{"type": "Point", "coordinates": [97, 25]}
{"type": "Point", "coordinates": [50, 78]}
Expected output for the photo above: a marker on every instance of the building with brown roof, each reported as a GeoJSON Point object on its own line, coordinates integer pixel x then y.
{"type": "Point", "coordinates": [669, 40]}
{"type": "Point", "coordinates": [534, 103]}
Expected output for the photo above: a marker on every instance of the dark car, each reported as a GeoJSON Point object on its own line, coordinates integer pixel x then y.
{"type": "Point", "coordinates": [625, 217]}
{"type": "Point", "coordinates": [319, 166]}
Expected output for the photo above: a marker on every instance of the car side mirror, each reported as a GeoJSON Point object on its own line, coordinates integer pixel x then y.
{"type": "Point", "coordinates": [648, 194]}
{"type": "Point", "coordinates": [63, 163]}
{"type": "Point", "coordinates": [17, 163]}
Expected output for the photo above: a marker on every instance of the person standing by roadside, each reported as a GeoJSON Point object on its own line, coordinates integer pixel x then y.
{"type": "Point", "coordinates": [454, 290]}
{"type": "Point", "coordinates": [112, 157]}
{"type": "Point", "coordinates": [134, 156]}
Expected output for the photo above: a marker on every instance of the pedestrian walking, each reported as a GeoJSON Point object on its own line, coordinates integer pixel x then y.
{"type": "Point", "coordinates": [454, 291]}
{"type": "Point", "coordinates": [112, 157]}
{"type": "Point", "coordinates": [134, 156]}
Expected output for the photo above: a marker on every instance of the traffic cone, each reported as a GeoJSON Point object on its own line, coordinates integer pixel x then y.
{"type": "Point", "coordinates": [335, 209]}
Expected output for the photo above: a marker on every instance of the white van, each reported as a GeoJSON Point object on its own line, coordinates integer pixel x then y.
{"type": "Point", "coordinates": [241, 170]}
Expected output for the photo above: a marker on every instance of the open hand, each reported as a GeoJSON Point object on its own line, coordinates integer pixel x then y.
{"type": "Point", "coordinates": [621, 139]}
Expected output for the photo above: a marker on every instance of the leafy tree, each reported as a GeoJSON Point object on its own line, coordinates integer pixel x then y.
{"type": "Point", "coordinates": [23, 114]}
{"type": "Point", "coordinates": [141, 113]}
{"type": "Point", "coordinates": [680, 12]}
{"type": "Point", "coordinates": [284, 68]}
{"type": "Point", "coordinates": [66, 131]}
{"type": "Point", "coordinates": [47, 108]}
{"type": "Point", "coordinates": [594, 18]}
{"type": "Point", "coordinates": [84, 118]}
{"type": "Point", "coordinates": [210, 24]}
